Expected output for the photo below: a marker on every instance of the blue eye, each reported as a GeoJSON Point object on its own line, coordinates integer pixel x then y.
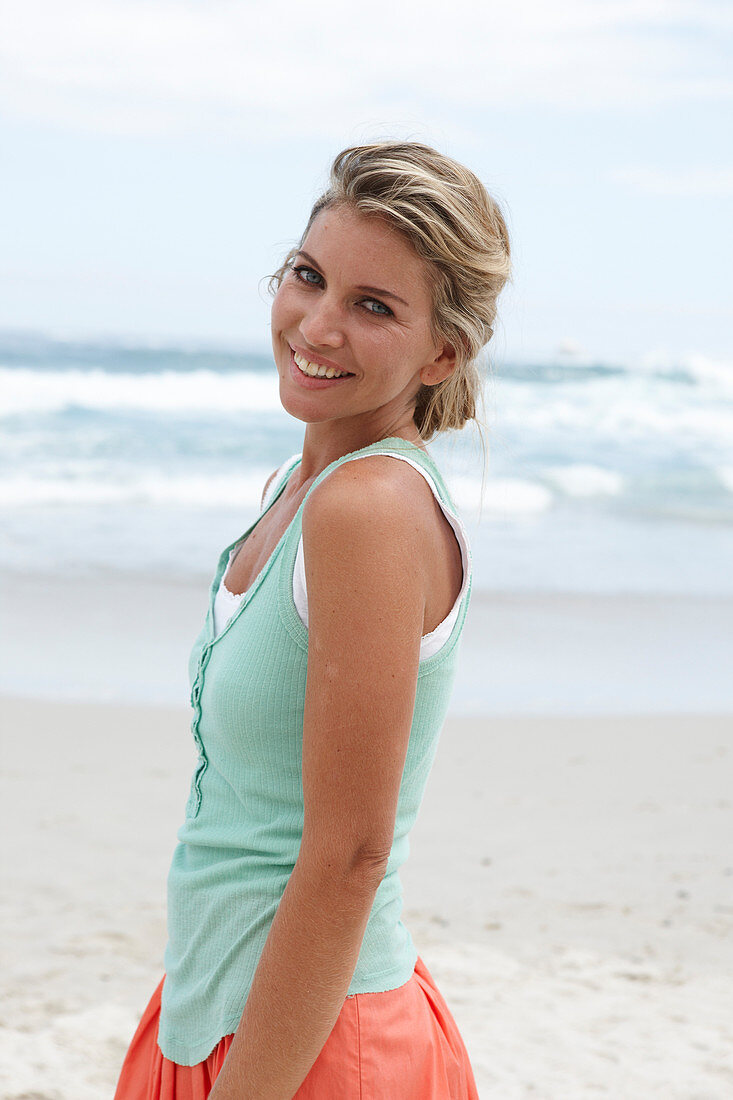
{"type": "Point", "coordinates": [382, 307]}
{"type": "Point", "coordinates": [302, 271]}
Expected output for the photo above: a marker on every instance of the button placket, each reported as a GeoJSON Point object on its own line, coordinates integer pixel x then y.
{"type": "Point", "coordinates": [195, 799]}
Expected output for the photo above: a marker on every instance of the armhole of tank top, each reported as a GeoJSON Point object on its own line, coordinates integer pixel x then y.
{"type": "Point", "coordinates": [273, 486]}
{"type": "Point", "coordinates": [435, 640]}
{"type": "Point", "coordinates": [226, 602]}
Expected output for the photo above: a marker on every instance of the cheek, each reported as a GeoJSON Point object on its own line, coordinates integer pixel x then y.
{"type": "Point", "coordinates": [392, 348]}
{"type": "Point", "coordinates": [281, 311]}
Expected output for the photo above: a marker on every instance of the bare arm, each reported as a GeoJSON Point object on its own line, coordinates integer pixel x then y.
{"type": "Point", "coordinates": [366, 598]}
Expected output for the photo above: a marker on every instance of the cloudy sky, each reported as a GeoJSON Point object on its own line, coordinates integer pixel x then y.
{"type": "Point", "coordinates": [158, 157]}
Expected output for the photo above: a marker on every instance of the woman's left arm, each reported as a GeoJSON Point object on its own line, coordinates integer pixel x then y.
{"type": "Point", "coordinates": [366, 602]}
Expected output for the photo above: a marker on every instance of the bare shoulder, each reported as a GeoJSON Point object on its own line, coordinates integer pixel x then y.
{"type": "Point", "coordinates": [373, 493]}
{"type": "Point", "coordinates": [367, 572]}
{"type": "Point", "coordinates": [366, 542]}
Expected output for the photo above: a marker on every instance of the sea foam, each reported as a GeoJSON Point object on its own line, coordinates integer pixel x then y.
{"type": "Point", "coordinates": [25, 390]}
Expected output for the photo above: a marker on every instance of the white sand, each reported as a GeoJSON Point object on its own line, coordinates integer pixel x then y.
{"type": "Point", "coordinates": [570, 888]}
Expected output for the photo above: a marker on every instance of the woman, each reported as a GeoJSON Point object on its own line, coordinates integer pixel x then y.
{"type": "Point", "coordinates": [321, 676]}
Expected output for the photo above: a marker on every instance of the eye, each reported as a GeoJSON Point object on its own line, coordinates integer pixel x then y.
{"type": "Point", "coordinates": [382, 310]}
{"type": "Point", "coordinates": [311, 277]}
{"type": "Point", "coordinates": [303, 272]}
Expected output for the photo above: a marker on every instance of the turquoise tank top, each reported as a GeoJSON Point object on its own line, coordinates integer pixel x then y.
{"type": "Point", "coordinates": [244, 817]}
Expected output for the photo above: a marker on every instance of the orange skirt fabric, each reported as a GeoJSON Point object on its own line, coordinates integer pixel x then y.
{"type": "Point", "coordinates": [399, 1045]}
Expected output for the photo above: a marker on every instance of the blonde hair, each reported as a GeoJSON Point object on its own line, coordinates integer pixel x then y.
{"type": "Point", "coordinates": [448, 216]}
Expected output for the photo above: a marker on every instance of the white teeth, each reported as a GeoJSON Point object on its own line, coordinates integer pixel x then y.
{"type": "Point", "coordinates": [314, 370]}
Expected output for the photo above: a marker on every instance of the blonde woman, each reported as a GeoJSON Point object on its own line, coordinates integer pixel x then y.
{"type": "Point", "coordinates": [321, 676]}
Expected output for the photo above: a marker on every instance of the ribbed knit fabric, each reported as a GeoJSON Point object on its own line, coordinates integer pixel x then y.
{"type": "Point", "coordinates": [244, 818]}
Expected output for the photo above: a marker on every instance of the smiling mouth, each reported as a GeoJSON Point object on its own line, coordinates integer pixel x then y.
{"type": "Point", "coordinates": [317, 370]}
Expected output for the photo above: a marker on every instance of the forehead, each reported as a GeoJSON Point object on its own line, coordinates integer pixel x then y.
{"type": "Point", "coordinates": [366, 250]}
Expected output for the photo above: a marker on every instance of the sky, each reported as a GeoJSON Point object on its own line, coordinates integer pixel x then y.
{"type": "Point", "coordinates": [158, 157]}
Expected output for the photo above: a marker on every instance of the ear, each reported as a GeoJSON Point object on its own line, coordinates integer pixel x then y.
{"type": "Point", "coordinates": [439, 368]}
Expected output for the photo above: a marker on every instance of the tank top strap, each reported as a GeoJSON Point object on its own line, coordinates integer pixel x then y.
{"type": "Point", "coordinates": [391, 445]}
{"type": "Point", "coordinates": [291, 586]}
{"type": "Point", "coordinates": [394, 445]}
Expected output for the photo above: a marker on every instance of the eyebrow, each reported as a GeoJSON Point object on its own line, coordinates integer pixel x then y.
{"type": "Point", "coordinates": [366, 289]}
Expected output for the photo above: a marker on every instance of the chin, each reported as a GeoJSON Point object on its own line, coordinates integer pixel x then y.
{"type": "Point", "coordinates": [295, 407]}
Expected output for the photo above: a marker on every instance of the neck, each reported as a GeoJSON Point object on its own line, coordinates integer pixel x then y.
{"type": "Point", "coordinates": [324, 443]}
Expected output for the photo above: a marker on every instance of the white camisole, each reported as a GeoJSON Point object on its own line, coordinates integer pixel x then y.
{"type": "Point", "coordinates": [226, 602]}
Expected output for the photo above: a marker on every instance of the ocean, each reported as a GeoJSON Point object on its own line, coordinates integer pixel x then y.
{"type": "Point", "coordinates": [601, 478]}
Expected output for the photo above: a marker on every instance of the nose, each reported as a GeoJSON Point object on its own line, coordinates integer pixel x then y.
{"type": "Point", "coordinates": [321, 324]}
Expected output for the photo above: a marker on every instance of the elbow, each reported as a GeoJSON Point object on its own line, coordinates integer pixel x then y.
{"type": "Point", "coordinates": [365, 864]}
{"type": "Point", "coordinates": [371, 860]}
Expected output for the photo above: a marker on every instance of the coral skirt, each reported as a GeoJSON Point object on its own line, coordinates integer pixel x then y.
{"type": "Point", "coordinates": [400, 1045]}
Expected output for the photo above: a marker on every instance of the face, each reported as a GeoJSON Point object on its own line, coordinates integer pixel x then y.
{"type": "Point", "coordinates": [355, 301]}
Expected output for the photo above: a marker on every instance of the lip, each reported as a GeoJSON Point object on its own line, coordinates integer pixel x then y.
{"type": "Point", "coordinates": [314, 383]}
{"type": "Point", "coordinates": [318, 359]}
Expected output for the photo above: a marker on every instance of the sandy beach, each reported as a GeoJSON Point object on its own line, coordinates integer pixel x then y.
{"type": "Point", "coordinates": [570, 887]}
{"type": "Point", "coordinates": [125, 636]}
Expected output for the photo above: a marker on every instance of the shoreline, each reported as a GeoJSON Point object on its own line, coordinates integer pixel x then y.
{"type": "Point", "coordinates": [121, 637]}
